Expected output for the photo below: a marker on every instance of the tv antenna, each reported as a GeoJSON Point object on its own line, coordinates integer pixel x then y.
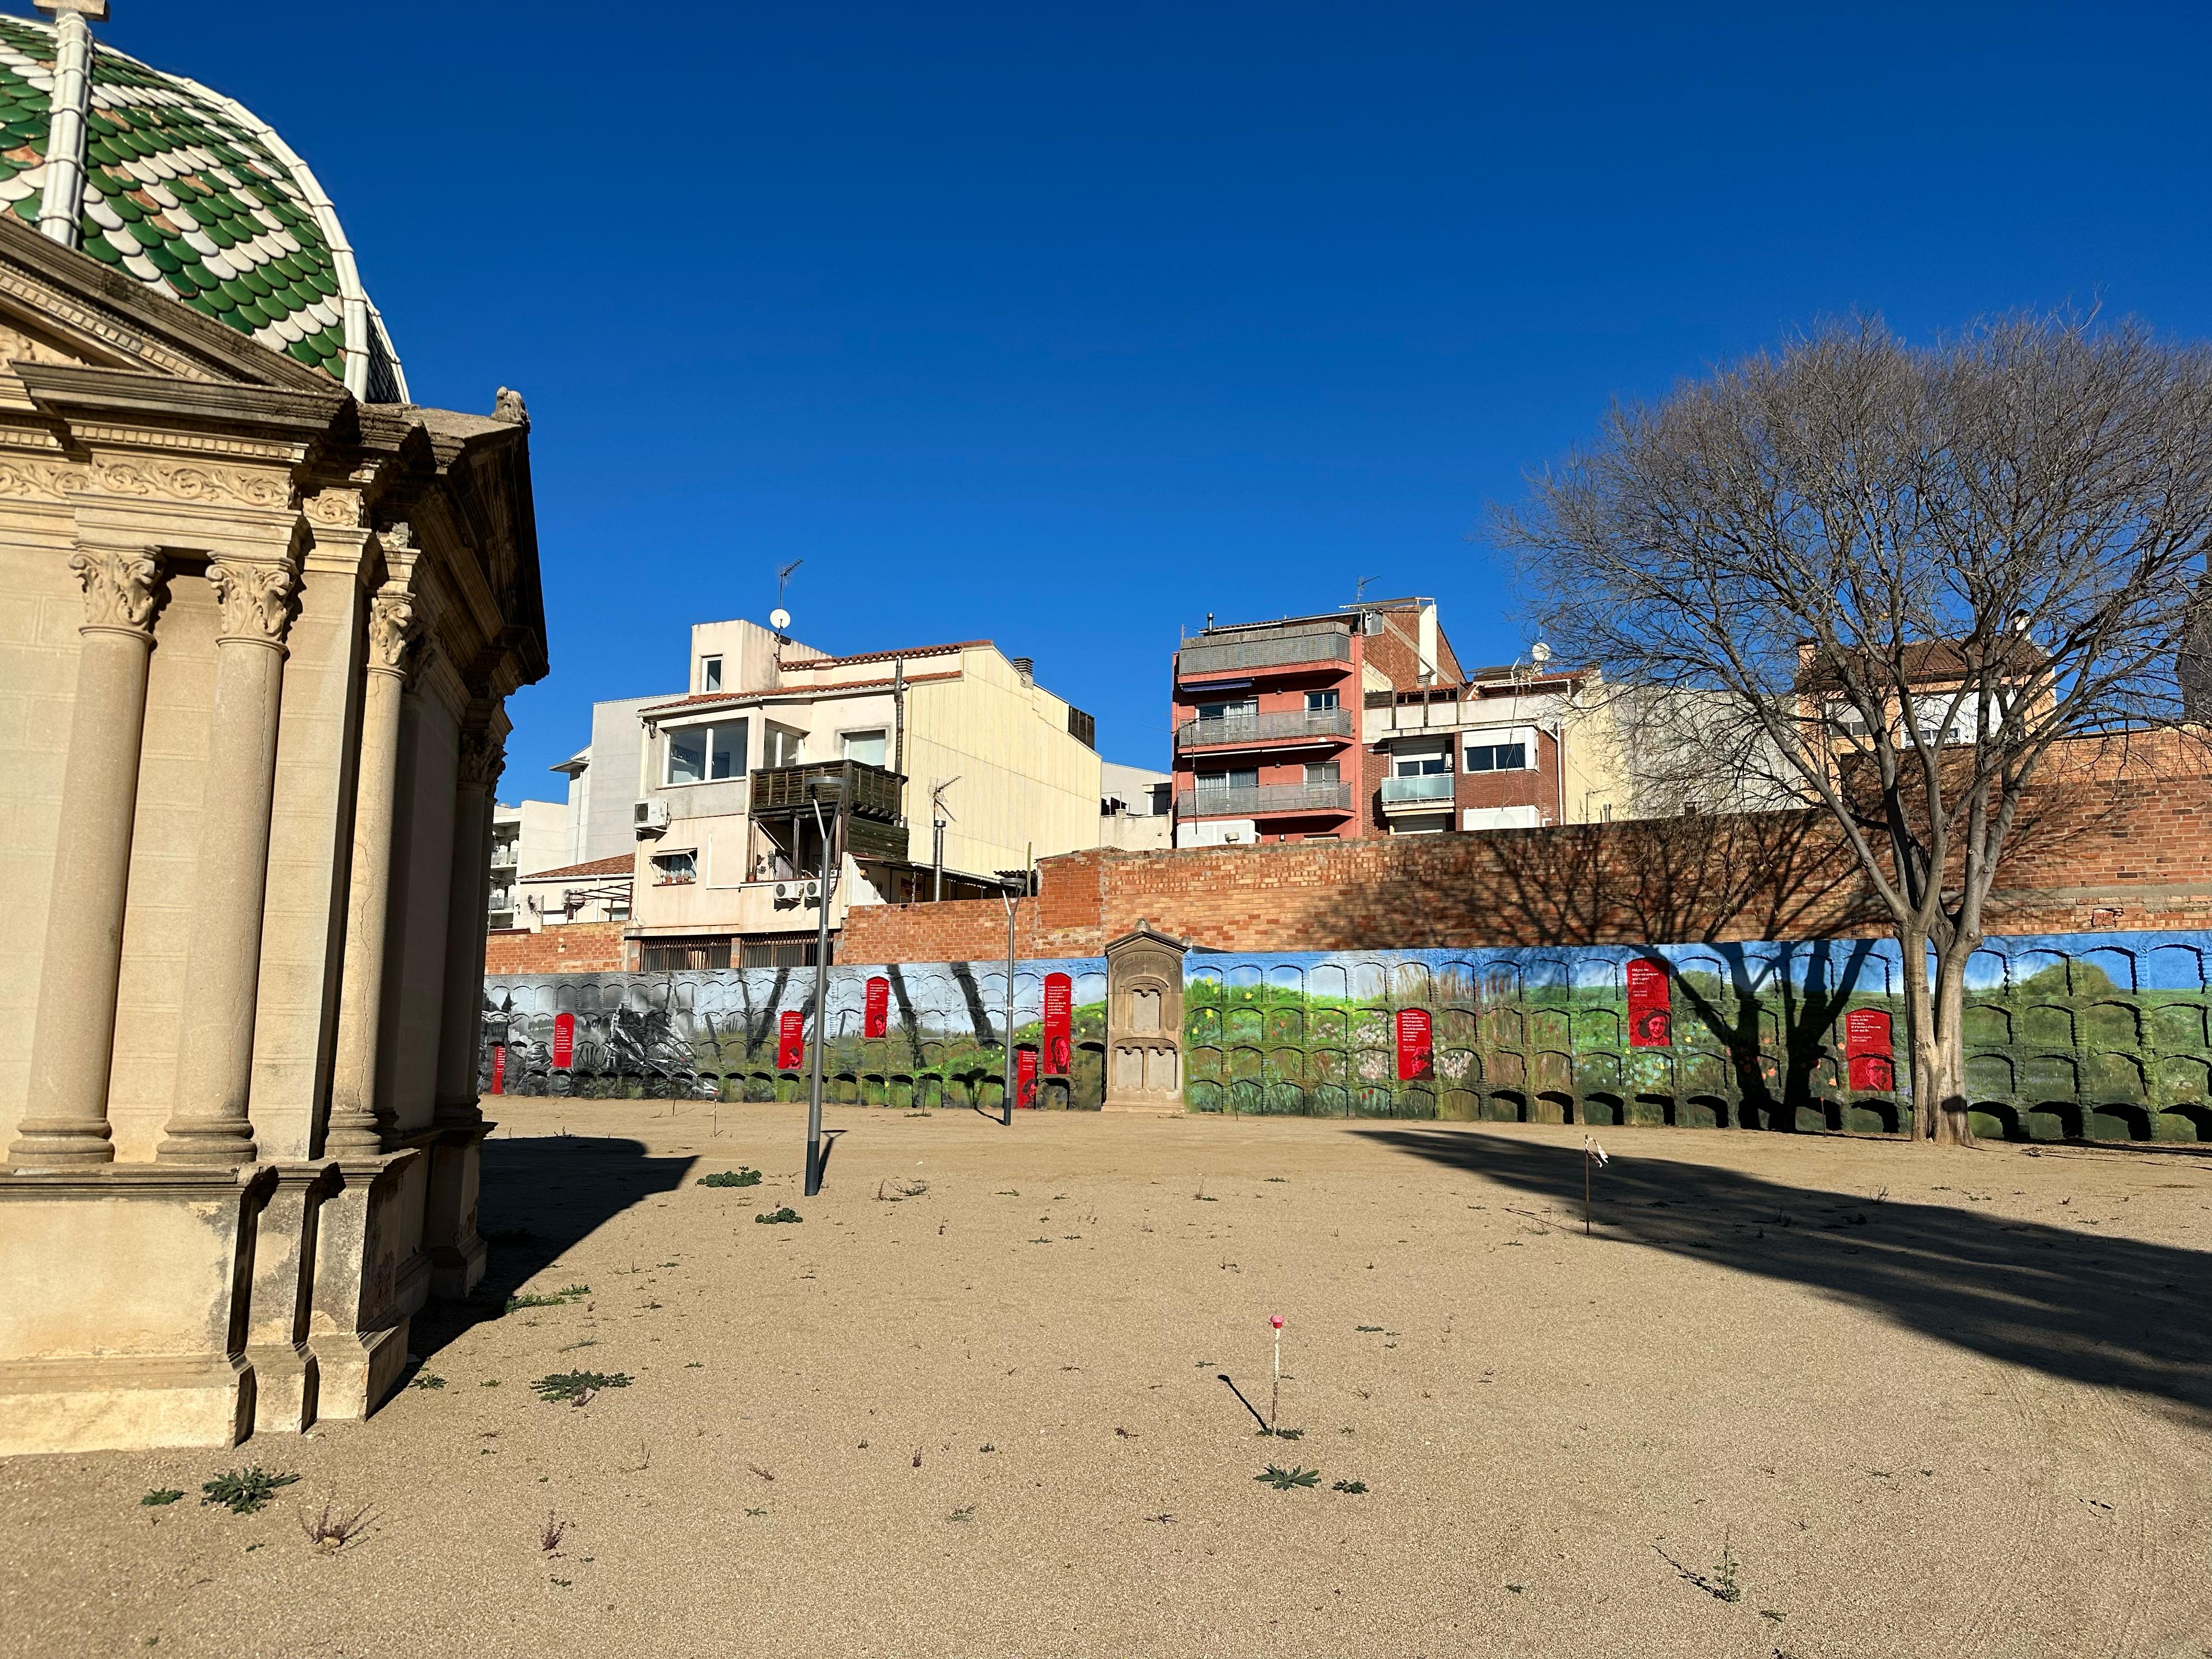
{"type": "Point", "coordinates": [1359, 593]}
{"type": "Point", "coordinates": [779, 618]}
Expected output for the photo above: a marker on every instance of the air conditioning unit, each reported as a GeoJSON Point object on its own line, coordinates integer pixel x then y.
{"type": "Point", "coordinates": [796, 892]}
{"type": "Point", "coordinates": [649, 816]}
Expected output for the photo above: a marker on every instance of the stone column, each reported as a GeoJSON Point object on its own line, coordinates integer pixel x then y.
{"type": "Point", "coordinates": [209, 1123]}
{"type": "Point", "coordinates": [355, 1129]}
{"type": "Point", "coordinates": [461, 1017]}
{"type": "Point", "coordinates": [73, 1041]}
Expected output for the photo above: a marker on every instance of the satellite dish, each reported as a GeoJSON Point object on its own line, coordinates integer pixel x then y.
{"type": "Point", "coordinates": [1541, 652]}
{"type": "Point", "coordinates": [779, 619]}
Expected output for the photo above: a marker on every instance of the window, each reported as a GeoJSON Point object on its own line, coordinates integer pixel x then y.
{"type": "Point", "coordinates": [867, 747]}
{"type": "Point", "coordinates": [776, 953]}
{"type": "Point", "coordinates": [1512, 748]}
{"type": "Point", "coordinates": [1324, 772]}
{"type": "Point", "coordinates": [779, 746]}
{"type": "Point", "coordinates": [1246, 710]}
{"type": "Point", "coordinates": [1083, 727]}
{"type": "Point", "coordinates": [1500, 818]}
{"type": "Point", "coordinates": [1421, 764]}
{"type": "Point", "coordinates": [665, 955]}
{"type": "Point", "coordinates": [675, 869]}
{"type": "Point", "coordinates": [1246, 777]}
{"type": "Point", "coordinates": [710, 673]}
{"type": "Point", "coordinates": [704, 754]}
{"type": "Point", "coordinates": [1319, 701]}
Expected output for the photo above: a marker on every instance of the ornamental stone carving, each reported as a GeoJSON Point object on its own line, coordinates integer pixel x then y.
{"type": "Point", "coordinates": [25, 478]}
{"type": "Point", "coordinates": [119, 585]}
{"type": "Point", "coordinates": [256, 599]}
{"type": "Point", "coordinates": [483, 757]}
{"type": "Point", "coordinates": [391, 631]}
{"type": "Point", "coordinates": [230, 486]}
{"type": "Point", "coordinates": [335, 509]}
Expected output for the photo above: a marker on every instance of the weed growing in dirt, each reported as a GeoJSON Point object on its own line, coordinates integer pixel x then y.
{"type": "Point", "coordinates": [891, 1191]}
{"type": "Point", "coordinates": [333, 1529]}
{"type": "Point", "coordinates": [1285, 1434]}
{"type": "Point", "coordinates": [786, 1214]}
{"type": "Point", "coordinates": [1367, 1327]}
{"type": "Point", "coordinates": [159, 1497]}
{"type": "Point", "coordinates": [751, 1511]}
{"type": "Point", "coordinates": [559, 1298]}
{"type": "Point", "coordinates": [426, 1380]}
{"type": "Point", "coordinates": [577, 1386]}
{"type": "Point", "coordinates": [1724, 1572]}
{"type": "Point", "coordinates": [551, 1535]}
{"type": "Point", "coordinates": [1282, 1479]}
{"type": "Point", "coordinates": [1352, 1488]}
{"type": "Point", "coordinates": [244, 1492]}
{"type": "Point", "coordinates": [743, 1176]}
{"type": "Point", "coordinates": [1279, 1178]}
{"type": "Point", "coordinates": [965, 1512]}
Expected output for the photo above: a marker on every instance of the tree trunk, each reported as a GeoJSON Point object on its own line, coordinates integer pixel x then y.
{"type": "Point", "coordinates": [1952, 1127]}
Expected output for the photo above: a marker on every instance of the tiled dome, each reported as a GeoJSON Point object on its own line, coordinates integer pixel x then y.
{"type": "Point", "coordinates": [193, 195]}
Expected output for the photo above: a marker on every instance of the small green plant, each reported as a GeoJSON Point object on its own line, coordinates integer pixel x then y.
{"type": "Point", "coordinates": [551, 1535]}
{"type": "Point", "coordinates": [892, 1190]}
{"type": "Point", "coordinates": [490, 1383]}
{"type": "Point", "coordinates": [1285, 1434]}
{"type": "Point", "coordinates": [1724, 1572]}
{"type": "Point", "coordinates": [1282, 1479]}
{"type": "Point", "coordinates": [159, 1497]}
{"type": "Point", "coordinates": [559, 1298]}
{"type": "Point", "coordinates": [965, 1512]}
{"type": "Point", "coordinates": [1351, 1487]}
{"type": "Point", "coordinates": [756, 1511]}
{"type": "Point", "coordinates": [244, 1492]}
{"type": "Point", "coordinates": [1280, 1178]}
{"type": "Point", "coordinates": [577, 1386]}
{"type": "Point", "coordinates": [426, 1380]}
{"type": "Point", "coordinates": [1367, 1327]}
{"type": "Point", "coordinates": [740, 1177]}
{"type": "Point", "coordinates": [786, 1214]}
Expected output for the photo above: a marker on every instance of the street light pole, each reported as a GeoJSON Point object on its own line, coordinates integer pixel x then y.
{"type": "Point", "coordinates": [834, 789]}
{"type": "Point", "coordinates": [1007, 1100]}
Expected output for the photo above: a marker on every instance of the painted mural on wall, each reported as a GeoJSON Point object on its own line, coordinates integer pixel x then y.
{"type": "Point", "coordinates": [2100, 1035]}
{"type": "Point", "coordinates": [920, 1035]}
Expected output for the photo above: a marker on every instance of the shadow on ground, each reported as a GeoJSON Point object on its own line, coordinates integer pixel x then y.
{"type": "Point", "coordinates": [539, 1197]}
{"type": "Point", "coordinates": [2067, 1301]}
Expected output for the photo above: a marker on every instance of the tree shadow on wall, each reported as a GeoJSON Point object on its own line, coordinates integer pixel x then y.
{"type": "Point", "coordinates": [1806, 986]}
{"type": "Point", "coordinates": [539, 1197]}
{"type": "Point", "coordinates": [2087, 1308]}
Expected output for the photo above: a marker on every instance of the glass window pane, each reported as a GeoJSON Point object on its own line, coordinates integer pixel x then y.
{"type": "Point", "coordinates": [1513, 757]}
{"type": "Point", "coordinates": [687, 755]}
{"type": "Point", "coordinates": [867, 747]}
{"type": "Point", "coordinates": [726, 755]}
{"type": "Point", "coordinates": [710, 673]}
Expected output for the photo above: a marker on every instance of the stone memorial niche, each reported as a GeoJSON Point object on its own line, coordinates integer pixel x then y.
{"type": "Point", "coordinates": [1144, 1022]}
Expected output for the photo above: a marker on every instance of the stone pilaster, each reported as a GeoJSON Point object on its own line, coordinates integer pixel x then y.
{"type": "Point", "coordinates": [355, 1129]}
{"type": "Point", "coordinates": [223, 963]}
{"type": "Point", "coordinates": [73, 1041]}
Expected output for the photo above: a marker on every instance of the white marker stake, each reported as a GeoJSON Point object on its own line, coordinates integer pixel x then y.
{"type": "Point", "coordinates": [1275, 1401]}
{"type": "Point", "coordinates": [1590, 1150]}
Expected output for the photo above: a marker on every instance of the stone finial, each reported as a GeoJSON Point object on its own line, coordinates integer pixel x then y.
{"type": "Point", "coordinates": [119, 586]}
{"type": "Point", "coordinates": [508, 407]}
{"type": "Point", "coordinates": [256, 599]}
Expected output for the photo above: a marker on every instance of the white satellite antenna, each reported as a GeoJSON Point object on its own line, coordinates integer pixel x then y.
{"type": "Point", "coordinates": [779, 619]}
{"type": "Point", "coordinates": [1540, 654]}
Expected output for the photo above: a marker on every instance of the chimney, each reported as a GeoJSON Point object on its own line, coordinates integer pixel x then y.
{"type": "Point", "coordinates": [1026, 667]}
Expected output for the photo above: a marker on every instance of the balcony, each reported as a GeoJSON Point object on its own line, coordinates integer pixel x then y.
{"type": "Point", "coordinates": [1292, 725]}
{"type": "Point", "coordinates": [869, 792]}
{"type": "Point", "coordinates": [1203, 656]}
{"type": "Point", "coordinates": [1264, 800]}
{"type": "Point", "coordinates": [1430, 790]}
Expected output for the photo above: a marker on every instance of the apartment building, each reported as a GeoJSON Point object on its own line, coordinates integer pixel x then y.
{"type": "Point", "coordinates": [941, 770]}
{"type": "Point", "coordinates": [1361, 721]}
{"type": "Point", "coordinates": [526, 837]}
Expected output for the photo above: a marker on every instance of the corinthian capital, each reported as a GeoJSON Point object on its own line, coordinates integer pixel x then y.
{"type": "Point", "coordinates": [118, 587]}
{"type": "Point", "coordinates": [391, 629]}
{"type": "Point", "coordinates": [483, 757]}
{"type": "Point", "coordinates": [256, 599]}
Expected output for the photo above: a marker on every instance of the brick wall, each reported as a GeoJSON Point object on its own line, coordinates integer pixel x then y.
{"type": "Point", "coordinates": [579, 947]}
{"type": "Point", "coordinates": [2128, 847]}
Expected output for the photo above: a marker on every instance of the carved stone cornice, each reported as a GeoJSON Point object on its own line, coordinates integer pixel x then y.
{"type": "Point", "coordinates": [336, 509]}
{"type": "Point", "coordinates": [22, 477]}
{"type": "Point", "coordinates": [392, 629]}
{"type": "Point", "coordinates": [256, 597]}
{"type": "Point", "coordinates": [209, 484]}
{"type": "Point", "coordinates": [121, 588]}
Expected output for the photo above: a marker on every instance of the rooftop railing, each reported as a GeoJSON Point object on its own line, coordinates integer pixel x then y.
{"type": "Point", "coordinates": [1205, 656]}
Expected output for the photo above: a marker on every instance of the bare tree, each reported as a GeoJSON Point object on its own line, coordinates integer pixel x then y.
{"type": "Point", "coordinates": [1893, 580]}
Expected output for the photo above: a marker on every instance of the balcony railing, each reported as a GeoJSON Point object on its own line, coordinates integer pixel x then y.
{"type": "Point", "coordinates": [1264, 800]}
{"type": "Point", "coordinates": [869, 791]}
{"type": "Point", "coordinates": [1292, 725]}
{"type": "Point", "coordinates": [1429, 786]}
{"type": "Point", "coordinates": [1201, 656]}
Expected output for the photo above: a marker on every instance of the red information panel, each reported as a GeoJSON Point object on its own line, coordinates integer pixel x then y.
{"type": "Point", "coordinates": [1650, 1016]}
{"type": "Point", "coordinates": [876, 1010]}
{"type": "Point", "coordinates": [1415, 1055]}
{"type": "Point", "coordinates": [790, 1040]}
{"type": "Point", "coordinates": [564, 1042]}
{"type": "Point", "coordinates": [1866, 1047]}
{"type": "Point", "coordinates": [499, 1069]}
{"type": "Point", "coordinates": [1059, 1012]}
{"type": "Point", "coordinates": [1025, 1077]}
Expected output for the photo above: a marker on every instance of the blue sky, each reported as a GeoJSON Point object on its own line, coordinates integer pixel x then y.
{"type": "Point", "coordinates": [1065, 327]}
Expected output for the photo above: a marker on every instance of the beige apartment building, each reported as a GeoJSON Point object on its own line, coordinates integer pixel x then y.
{"type": "Point", "coordinates": [259, 615]}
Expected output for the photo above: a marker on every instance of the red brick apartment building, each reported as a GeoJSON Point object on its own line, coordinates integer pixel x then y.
{"type": "Point", "coordinates": [1361, 721]}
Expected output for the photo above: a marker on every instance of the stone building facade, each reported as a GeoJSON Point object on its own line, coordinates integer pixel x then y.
{"type": "Point", "coordinates": [261, 617]}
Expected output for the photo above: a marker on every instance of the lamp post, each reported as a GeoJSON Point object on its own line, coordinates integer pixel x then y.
{"type": "Point", "coordinates": [828, 788]}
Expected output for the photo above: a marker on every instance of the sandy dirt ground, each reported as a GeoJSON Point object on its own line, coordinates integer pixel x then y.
{"type": "Point", "coordinates": [1795, 1397]}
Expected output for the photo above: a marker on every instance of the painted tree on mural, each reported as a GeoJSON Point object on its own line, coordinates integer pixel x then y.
{"type": "Point", "coordinates": [1898, 584]}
